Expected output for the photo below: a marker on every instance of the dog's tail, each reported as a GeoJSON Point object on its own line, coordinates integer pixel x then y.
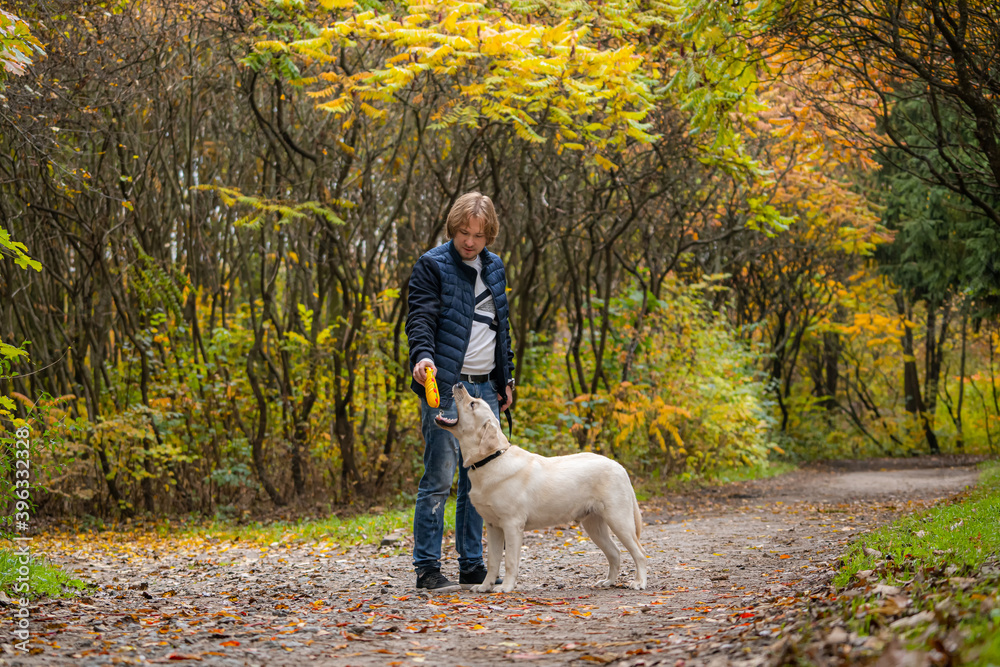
{"type": "Point", "coordinates": [637, 514]}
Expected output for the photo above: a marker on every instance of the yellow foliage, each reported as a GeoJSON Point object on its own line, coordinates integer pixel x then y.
{"type": "Point", "coordinates": [559, 70]}
{"type": "Point", "coordinates": [606, 163]}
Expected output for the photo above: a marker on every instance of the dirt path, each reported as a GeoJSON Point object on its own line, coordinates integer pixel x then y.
{"type": "Point", "coordinates": [730, 571]}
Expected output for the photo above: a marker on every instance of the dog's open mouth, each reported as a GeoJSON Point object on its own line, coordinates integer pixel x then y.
{"type": "Point", "coordinates": [445, 421]}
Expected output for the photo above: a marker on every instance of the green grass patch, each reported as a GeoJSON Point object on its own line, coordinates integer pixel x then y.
{"type": "Point", "coordinates": [345, 532]}
{"type": "Point", "coordinates": [945, 562]}
{"type": "Point", "coordinates": [648, 488]}
{"type": "Point", "coordinates": [44, 579]}
{"type": "Point", "coordinates": [745, 473]}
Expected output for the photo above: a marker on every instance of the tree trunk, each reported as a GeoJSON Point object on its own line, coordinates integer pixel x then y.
{"type": "Point", "coordinates": [831, 362]}
{"type": "Point", "coordinates": [911, 379]}
{"type": "Point", "coordinates": [934, 355]}
{"type": "Point", "coordinates": [349, 476]}
{"type": "Point", "coordinates": [257, 438]}
{"type": "Point", "coordinates": [640, 321]}
{"type": "Point", "coordinates": [777, 368]}
{"type": "Point", "coordinates": [299, 443]}
{"type": "Point", "coordinates": [960, 442]}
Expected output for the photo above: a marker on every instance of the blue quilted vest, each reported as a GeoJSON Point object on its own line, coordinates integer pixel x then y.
{"type": "Point", "coordinates": [441, 306]}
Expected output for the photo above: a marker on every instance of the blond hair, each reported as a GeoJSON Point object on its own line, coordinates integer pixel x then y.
{"type": "Point", "coordinates": [474, 205]}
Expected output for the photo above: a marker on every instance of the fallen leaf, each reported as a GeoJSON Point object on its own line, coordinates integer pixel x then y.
{"type": "Point", "coordinates": [911, 621]}
{"type": "Point", "coordinates": [864, 575]}
{"type": "Point", "coordinates": [893, 605]}
{"type": "Point", "coordinates": [897, 656]}
{"type": "Point", "coordinates": [837, 636]}
{"type": "Point", "coordinates": [882, 589]}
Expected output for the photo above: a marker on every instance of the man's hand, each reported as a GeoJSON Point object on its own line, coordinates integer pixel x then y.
{"type": "Point", "coordinates": [509, 397]}
{"type": "Point", "coordinates": [419, 371]}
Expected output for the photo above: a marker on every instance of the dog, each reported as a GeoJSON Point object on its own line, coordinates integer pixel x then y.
{"type": "Point", "coordinates": [514, 490]}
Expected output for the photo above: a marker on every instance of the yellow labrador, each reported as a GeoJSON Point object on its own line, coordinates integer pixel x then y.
{"type": "Point", "coordinates": [514, 490]}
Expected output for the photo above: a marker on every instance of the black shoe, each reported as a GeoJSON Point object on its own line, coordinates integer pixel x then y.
{"type": "Point", "coordinates": [469, 579]}
{"type": "Point", "coordinates": [435, 582]}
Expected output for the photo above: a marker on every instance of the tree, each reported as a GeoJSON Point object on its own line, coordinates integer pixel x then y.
{"type": "Point", "coordinates": [930, 65]}
{"type": "Point", "coordinates": [942, 254]}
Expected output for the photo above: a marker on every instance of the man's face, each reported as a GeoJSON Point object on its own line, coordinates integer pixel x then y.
{"type": "Point", "coordinates": [470, 239]}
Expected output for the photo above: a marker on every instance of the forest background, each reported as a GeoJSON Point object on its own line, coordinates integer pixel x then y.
{"type": "Point", "coordinates": [733, 232]}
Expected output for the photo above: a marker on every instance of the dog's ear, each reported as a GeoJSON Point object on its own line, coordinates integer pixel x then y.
{"type": "Point", "coordinates": [493, 439]}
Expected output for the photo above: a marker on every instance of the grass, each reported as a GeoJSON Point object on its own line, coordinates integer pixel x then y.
{"type": "Point", "coordinates": [946, 562]}
{"type": "Point", "coordinates": [345, 532]}
{"type": "Point", "coordinates": [654, 486]}
{"type": "Point", "coordinates": [44, 579]}
{"type": "Point", "coordinates": [745, 473]}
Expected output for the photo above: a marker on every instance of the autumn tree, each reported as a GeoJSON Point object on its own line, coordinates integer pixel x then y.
{"type": "Point", "coordinates": [926, 71]}
{"type": "Point", "coordinates": [916, 85]}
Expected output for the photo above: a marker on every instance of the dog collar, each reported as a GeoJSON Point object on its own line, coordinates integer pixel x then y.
{"type": "Point", "coordinates": [489, 458]}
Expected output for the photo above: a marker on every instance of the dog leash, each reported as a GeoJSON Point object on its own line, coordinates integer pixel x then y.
{"type": "Point", "coordinates": [510, 424]}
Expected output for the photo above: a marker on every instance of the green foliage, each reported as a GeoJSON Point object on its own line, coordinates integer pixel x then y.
{"type": "Point", "coordinates": [761, 471]}
{"type": "Point", "coordinates": [10, 247]}
{"type": "Point", "coordinates": [941, 246]}
{"type": "Point", "coordinates": [15, 461]}
{"type": "Point", "coordinates": [193, 445]}
{"type": "Point", "coordinates": [157, 290]}
{"type": "Point", "coordinates": [44, 578]}
{"type": "Point", "coordinates": [17, 45]}
{"type": "Point", "coordinates": [695, 403]}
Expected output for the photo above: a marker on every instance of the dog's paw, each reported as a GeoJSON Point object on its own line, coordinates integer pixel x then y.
{"type": "Point", "coordinates": [507, 586]}
{"type": "Point", "coordinates": [637, 585]}
{"type": "Point", "coordinates": [604, 583]}
{"type": "Point", "coordinates": [484, 587]}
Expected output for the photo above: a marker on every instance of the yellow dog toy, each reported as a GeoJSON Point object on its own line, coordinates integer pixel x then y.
{"type": "Point", "coordinates": [431, 389]}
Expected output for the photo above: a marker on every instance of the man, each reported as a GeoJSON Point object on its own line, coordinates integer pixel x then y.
{"type": "Point", "coordinates": [457, 325]}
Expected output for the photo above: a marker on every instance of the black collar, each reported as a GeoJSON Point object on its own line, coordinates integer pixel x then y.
{"type": "Point", "coordinates": [489, 458]}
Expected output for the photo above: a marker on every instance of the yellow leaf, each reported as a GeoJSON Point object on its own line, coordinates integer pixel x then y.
{"type": "Point", "coordinates": [606, 163]}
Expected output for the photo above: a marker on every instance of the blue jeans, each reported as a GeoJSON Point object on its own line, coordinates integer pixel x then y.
{"type": "Point", "coordinates": [441, 456]}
